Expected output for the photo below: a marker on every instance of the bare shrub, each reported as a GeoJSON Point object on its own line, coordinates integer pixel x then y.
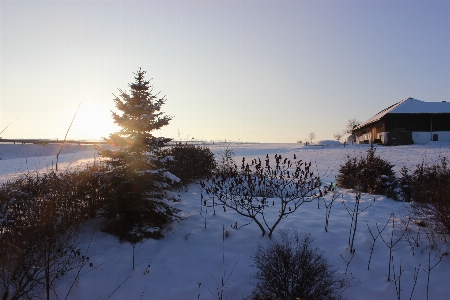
{"type": "Point", "coordinates": [225, 158]}
{"type": "Point", "coordinates": [40, 218]}
{"type": "Point", "coordinates": [354, 214]}
{"type": "Point", "coordinates": [292, 268]}
{"type": "Point", "coordinates": [351, 125]}
{"type": "Point", "coordinates": [254, 189]}
{"type": "Point", "coordinates": [337, 136]}
{"type": "Point", "coordinates": [311, 137]}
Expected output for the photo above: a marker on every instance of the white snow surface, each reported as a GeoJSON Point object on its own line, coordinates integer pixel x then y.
{"type": "Point", "coordinates": [414, 106]}
{"type": "Point", "coordinates": [187, 262]}
{"type": "Point", "coordinates": [327, 143]}
{"type": "Point", "coordinates": [410, 106]}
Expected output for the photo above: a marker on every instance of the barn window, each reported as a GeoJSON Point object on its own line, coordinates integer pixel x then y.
{"type": "Point", "coordinates": [435, 137]}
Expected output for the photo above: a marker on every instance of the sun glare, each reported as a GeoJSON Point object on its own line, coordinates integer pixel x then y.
{"type": "Point", "coordinates": [93, 121]}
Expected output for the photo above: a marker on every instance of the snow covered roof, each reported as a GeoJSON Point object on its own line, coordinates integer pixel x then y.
{"type": "Point", "coordinates": [327, 143]}
{"type": "Point", "coordinates": [410, 106]}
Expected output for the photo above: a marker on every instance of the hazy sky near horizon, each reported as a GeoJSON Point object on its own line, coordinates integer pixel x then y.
{"type": "Point", "coordinates": [261, 71]}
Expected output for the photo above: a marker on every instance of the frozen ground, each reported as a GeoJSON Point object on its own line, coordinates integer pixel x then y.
{"type": "Point", "coordinates": [16, 159]}
{"type": "Point", "coordinates": [191, 253]}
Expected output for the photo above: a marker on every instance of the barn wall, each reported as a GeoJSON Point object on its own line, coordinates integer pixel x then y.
{"type": "Point", "coordinates": [425, 137]}
{"type": "Point", "coordinates": [418, 122]}
{"type": "Point", "coordinates": [369, 133]}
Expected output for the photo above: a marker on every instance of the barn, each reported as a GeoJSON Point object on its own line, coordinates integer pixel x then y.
{"type": "Point", "coordinates": [409, 121]}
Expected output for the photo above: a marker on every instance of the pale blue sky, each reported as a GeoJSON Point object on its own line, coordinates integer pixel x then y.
{"type": "Point", "coordinates": [264, 71]}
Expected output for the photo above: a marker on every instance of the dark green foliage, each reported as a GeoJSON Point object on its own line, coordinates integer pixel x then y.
{"type": "Point", "coordinates": [40, 218]}
{"type": "Point", "coordinates": [404, 183]}
{"type": "Point", "coordinates": [135, 208]}
{"type": "Point", "coordinates": [429, 186]}
{"type": "Point", "coordinates": [136, 185]}
{"type": "Point", "coordinates": [368, 174]}
{"type": "Point", "coordinates": [190, 162]}
{"type": "Point", "coordinates": [292, 268]}
{"type": "Point", "coordinates": [347, 172]}
{"type": "Point", "coordinates": [426, 181]}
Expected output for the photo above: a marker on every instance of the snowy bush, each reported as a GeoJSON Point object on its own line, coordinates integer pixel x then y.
{"type": "Point", "coordinates": [404, 184]}
{"type": "Point", "coordinates": [429, 187]}
{"type": "Point", "coordinates": [368, 174]}
{"type": "Point", "coordinates": [292, 268]}
{"type": "Point", "coordinates": [189, 162]}
{"type": "Point", "coordinates": [40, 218]}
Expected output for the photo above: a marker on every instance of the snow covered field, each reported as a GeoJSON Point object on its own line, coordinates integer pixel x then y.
{"type": "Point", "coordinates": [16, 159]}
{"type": "Point", "coordinates": [187, 262]}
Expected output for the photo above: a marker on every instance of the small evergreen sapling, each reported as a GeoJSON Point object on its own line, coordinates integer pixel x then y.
{"type": "Point", "coordinates": [137, 182]}
{"type": "Point", "coordinates": [368, 174]}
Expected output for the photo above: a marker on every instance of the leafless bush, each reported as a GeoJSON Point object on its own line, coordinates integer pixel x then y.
{"type": "Point", "coordinates": [328, 203]}
{"type": "Point", "coordinates": [354, 214]}
{"type": "Point", "coordinates": [351, 125]}
{"type": "Point", "coordinates": [40, 218]}
{"type": "Point", "coordinates": [254, 189]}
{"type": "Point", "coordinates": [225, 159]}
{"type": "Point", "coordinates": [292, 268]}
{"type": "Point", "coordinates": [311, 137]}
{"type": "Point", "coordinates": [337, 136]}
{"type": "Point", "coordinates": [392, 241]}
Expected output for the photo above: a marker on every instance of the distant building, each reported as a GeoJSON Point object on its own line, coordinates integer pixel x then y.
{"type": "Point", "coordinates": [409, 121]}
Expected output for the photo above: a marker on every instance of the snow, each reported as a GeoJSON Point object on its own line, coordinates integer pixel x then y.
{"type": "Point", "coordinates": [9, 151]}
{"type": "Point", "coordinates": [414, 106]}
{"type": "Point", "coordinates": [16, 159]}
{"type": "Point", "coordinates": [171, 177]}
{"type": "Point", "coordinates": [327, 143]}
{"type": "Point", "coordinates": [187, 262]}
{"type": "Point", "coordinates": [411, 106]}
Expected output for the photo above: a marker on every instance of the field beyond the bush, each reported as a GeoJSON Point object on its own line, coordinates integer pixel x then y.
{"type": "Point", "coordinates": [192, 259]}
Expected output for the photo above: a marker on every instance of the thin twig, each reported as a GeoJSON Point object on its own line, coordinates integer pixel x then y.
{"type": "Point", "coordinates": [349, 261]}
{"type": "Point", "coordinates": [65, 137]}
{"type": "Point", "coordinates": [118, 287]}
{"type": "Point", "coordinates": [428, 271]}
{"type": "Point", "coordinates": [8, 125]}
{"type": "Point", "coordinates": [416, 275]}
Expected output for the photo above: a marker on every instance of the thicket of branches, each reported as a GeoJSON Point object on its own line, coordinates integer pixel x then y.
{"type": "Point", "coordinates": [292, 268]}
{"type": "Point", "coordinates": [429, 187]}
{"type": "Point", "coordinates": [255, 188]}
{"type": "Point", "coordinates": [40, 219]}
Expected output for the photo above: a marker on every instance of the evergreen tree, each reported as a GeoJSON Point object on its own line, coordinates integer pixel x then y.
{"type": "Point", "coordinates": [137, 182]}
